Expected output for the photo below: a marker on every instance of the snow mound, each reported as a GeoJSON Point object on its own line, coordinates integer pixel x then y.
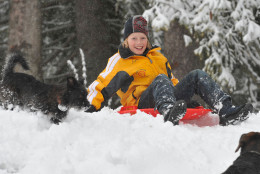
{"type": "Point", "coordinates": [107, 142]}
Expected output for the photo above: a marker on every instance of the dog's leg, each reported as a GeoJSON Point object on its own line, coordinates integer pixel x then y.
{"type": "Point", "coordinates": [55, 120]}
{"type": "Point", "coordinates": [58, 116]}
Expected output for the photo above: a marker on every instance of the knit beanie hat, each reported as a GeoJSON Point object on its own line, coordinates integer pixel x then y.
{"type": "Point", "coordinates": [135, 24]}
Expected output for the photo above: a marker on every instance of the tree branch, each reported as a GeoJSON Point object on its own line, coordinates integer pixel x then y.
{"type": "Point", "coordinates": [55, 42]}
{"type": "Point", "coordinates": [64, 63]}
{"type": "Point", "coordinates": [52, 3]}
{"type": "Point", "coordinates": [58, 28]}
{"type": "Point", "coordinates": [4, 21]}
{"type": "Point", "coordinates": [58, 51]}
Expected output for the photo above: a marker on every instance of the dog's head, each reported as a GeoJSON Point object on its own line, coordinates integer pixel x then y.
{"type": "Point", "coordinates": [249, 142]}
{"type": "Point", "coordinates": [76, 95]}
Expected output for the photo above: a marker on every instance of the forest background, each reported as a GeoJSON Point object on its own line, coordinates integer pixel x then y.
{"type": "Point", "coordinates": [222, 37]}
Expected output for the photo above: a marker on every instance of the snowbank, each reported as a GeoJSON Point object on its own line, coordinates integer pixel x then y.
{"type": "Point", "coordinates": [106, 142]}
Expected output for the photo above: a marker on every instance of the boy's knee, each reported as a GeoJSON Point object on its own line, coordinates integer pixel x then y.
{"type": "Point", "coordinates": [198, 73]}
{"type": "Point", "coordinates": [162, 78]}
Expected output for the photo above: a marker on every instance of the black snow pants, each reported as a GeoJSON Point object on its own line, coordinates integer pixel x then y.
{"type": "Point", "coordinates": [162, 92]}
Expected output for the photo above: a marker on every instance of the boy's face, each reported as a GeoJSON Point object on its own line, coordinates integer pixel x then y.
{"type": "Point", "coordinates": [137, 43]}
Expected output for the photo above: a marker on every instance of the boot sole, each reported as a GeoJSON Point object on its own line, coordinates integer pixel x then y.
{"type": "Point", "coordinates": [242, 116]}
{"type": "Point", "coordinates": [177, 112]}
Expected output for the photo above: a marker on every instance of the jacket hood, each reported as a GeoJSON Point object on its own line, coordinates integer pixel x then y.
{"type": "Point", "coordinates": [126, 52]}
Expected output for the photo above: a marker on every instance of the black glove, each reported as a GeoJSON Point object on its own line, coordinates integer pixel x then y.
{"type": "Point", "coordinates": [91, 109]}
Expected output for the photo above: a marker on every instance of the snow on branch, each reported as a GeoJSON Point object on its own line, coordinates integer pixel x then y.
{"type": "Point", "coordinates": [84, 70]}
{"type": "Point", "coordinates": [72, 67]}
{"type": "Point", "coordinates": [227, 32]}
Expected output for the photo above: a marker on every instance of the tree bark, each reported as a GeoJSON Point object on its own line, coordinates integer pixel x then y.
{"type": "Point", "coordinates": [94, 35]}
{"type": "Point", "coordinates": [182, 59]}
{"type": "Point", "coordinates": [25, 33]}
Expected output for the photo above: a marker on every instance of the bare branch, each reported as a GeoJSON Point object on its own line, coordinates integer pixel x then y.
{"type": "Point", "coordinates": [52, 3]}
{"type": "Point", "coordinates": [4, 21]}
{"type": "Point", "coordinates": [65, 44]}
{"type": "Point", "coordinates": [64, 62]}
{"type": "Point", "coordinates": [58, 28]}
{"type": "Point", "coordinates": [55, 42]}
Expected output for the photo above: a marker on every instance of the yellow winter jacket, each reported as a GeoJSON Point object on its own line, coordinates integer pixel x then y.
{"type": "Point", "coordinates": [128, 75]}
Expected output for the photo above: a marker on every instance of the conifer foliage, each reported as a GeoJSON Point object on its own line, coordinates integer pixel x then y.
{"type": "Point", "coordinates": [228, 33]}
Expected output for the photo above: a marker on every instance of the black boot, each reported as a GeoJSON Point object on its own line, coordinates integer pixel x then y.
{"type": "Point", "coordinates": [174, 113]}
{"type": "Point", "coordinates": [236, 115]}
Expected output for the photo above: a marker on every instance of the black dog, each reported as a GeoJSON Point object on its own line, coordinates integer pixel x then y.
{"type": "Point", "coordinates": [249, 160]}
{"type": "Point", "coordinates": [27, 92]}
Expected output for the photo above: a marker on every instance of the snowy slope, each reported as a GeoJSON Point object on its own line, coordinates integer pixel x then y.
{"type": "Point", "coordinates": [106, 142]}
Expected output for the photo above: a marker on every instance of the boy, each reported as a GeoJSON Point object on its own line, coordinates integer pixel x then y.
{"type": "Point", "coordinates": [141, 76]}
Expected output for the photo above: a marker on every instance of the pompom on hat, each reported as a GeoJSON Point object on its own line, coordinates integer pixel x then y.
{"type": "Point", "coordinates": [135, 24]}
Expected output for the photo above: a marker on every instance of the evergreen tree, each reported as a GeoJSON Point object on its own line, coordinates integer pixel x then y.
{"type": "Point", "coordinates": [228, 34]}
{"type": "Point", "coordinates": [59, 39]}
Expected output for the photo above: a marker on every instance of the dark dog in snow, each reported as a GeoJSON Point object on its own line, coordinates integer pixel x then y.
{"type": "Point", "coordinates": [249, 160]}
{"type": "Point", "coordinates": [27, 92]}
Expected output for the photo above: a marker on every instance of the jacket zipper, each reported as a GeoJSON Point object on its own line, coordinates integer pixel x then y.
{"type": "Point", "coordinates": [149, 59]}
{"type": "Point", "coordinates": [153, 64]}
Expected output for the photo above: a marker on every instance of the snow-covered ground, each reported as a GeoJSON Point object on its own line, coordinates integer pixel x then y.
{"type": "Point", "coordinates": [109, 143]}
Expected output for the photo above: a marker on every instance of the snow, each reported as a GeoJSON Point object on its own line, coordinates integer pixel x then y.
{"type": "Point", "coordinates": [73, 68]}
{"type": "Point", "coordinates": [253, 32]}
{"type": "Point", "coordinates": [227, 32]}
{"type": "Point", "coordinates": [107, 142]}
{"type": "Point", "coordinates": [187, 40]}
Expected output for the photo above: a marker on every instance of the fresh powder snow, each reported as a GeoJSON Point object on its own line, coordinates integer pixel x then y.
{"type": "Point", "coordinates": [106, 142]}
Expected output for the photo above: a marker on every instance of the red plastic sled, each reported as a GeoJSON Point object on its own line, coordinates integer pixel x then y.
{"type": "Point", "coordinates": [191, 114]}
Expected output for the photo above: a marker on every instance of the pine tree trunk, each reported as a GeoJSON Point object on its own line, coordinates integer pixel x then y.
{"type": "Point", "coordinates": [182, 59]}
{"type": "Point", "coordinates": [94, 35]}
{"type": "Point", "coordinates": [25, 33]}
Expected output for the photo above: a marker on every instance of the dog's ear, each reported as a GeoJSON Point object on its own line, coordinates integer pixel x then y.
{"type": "Point", "coordinates": [71, 82]}
{"type": "Point", "coordinates": [245, 138]}
{"type": "Point", "coordinates": [241, 142]}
